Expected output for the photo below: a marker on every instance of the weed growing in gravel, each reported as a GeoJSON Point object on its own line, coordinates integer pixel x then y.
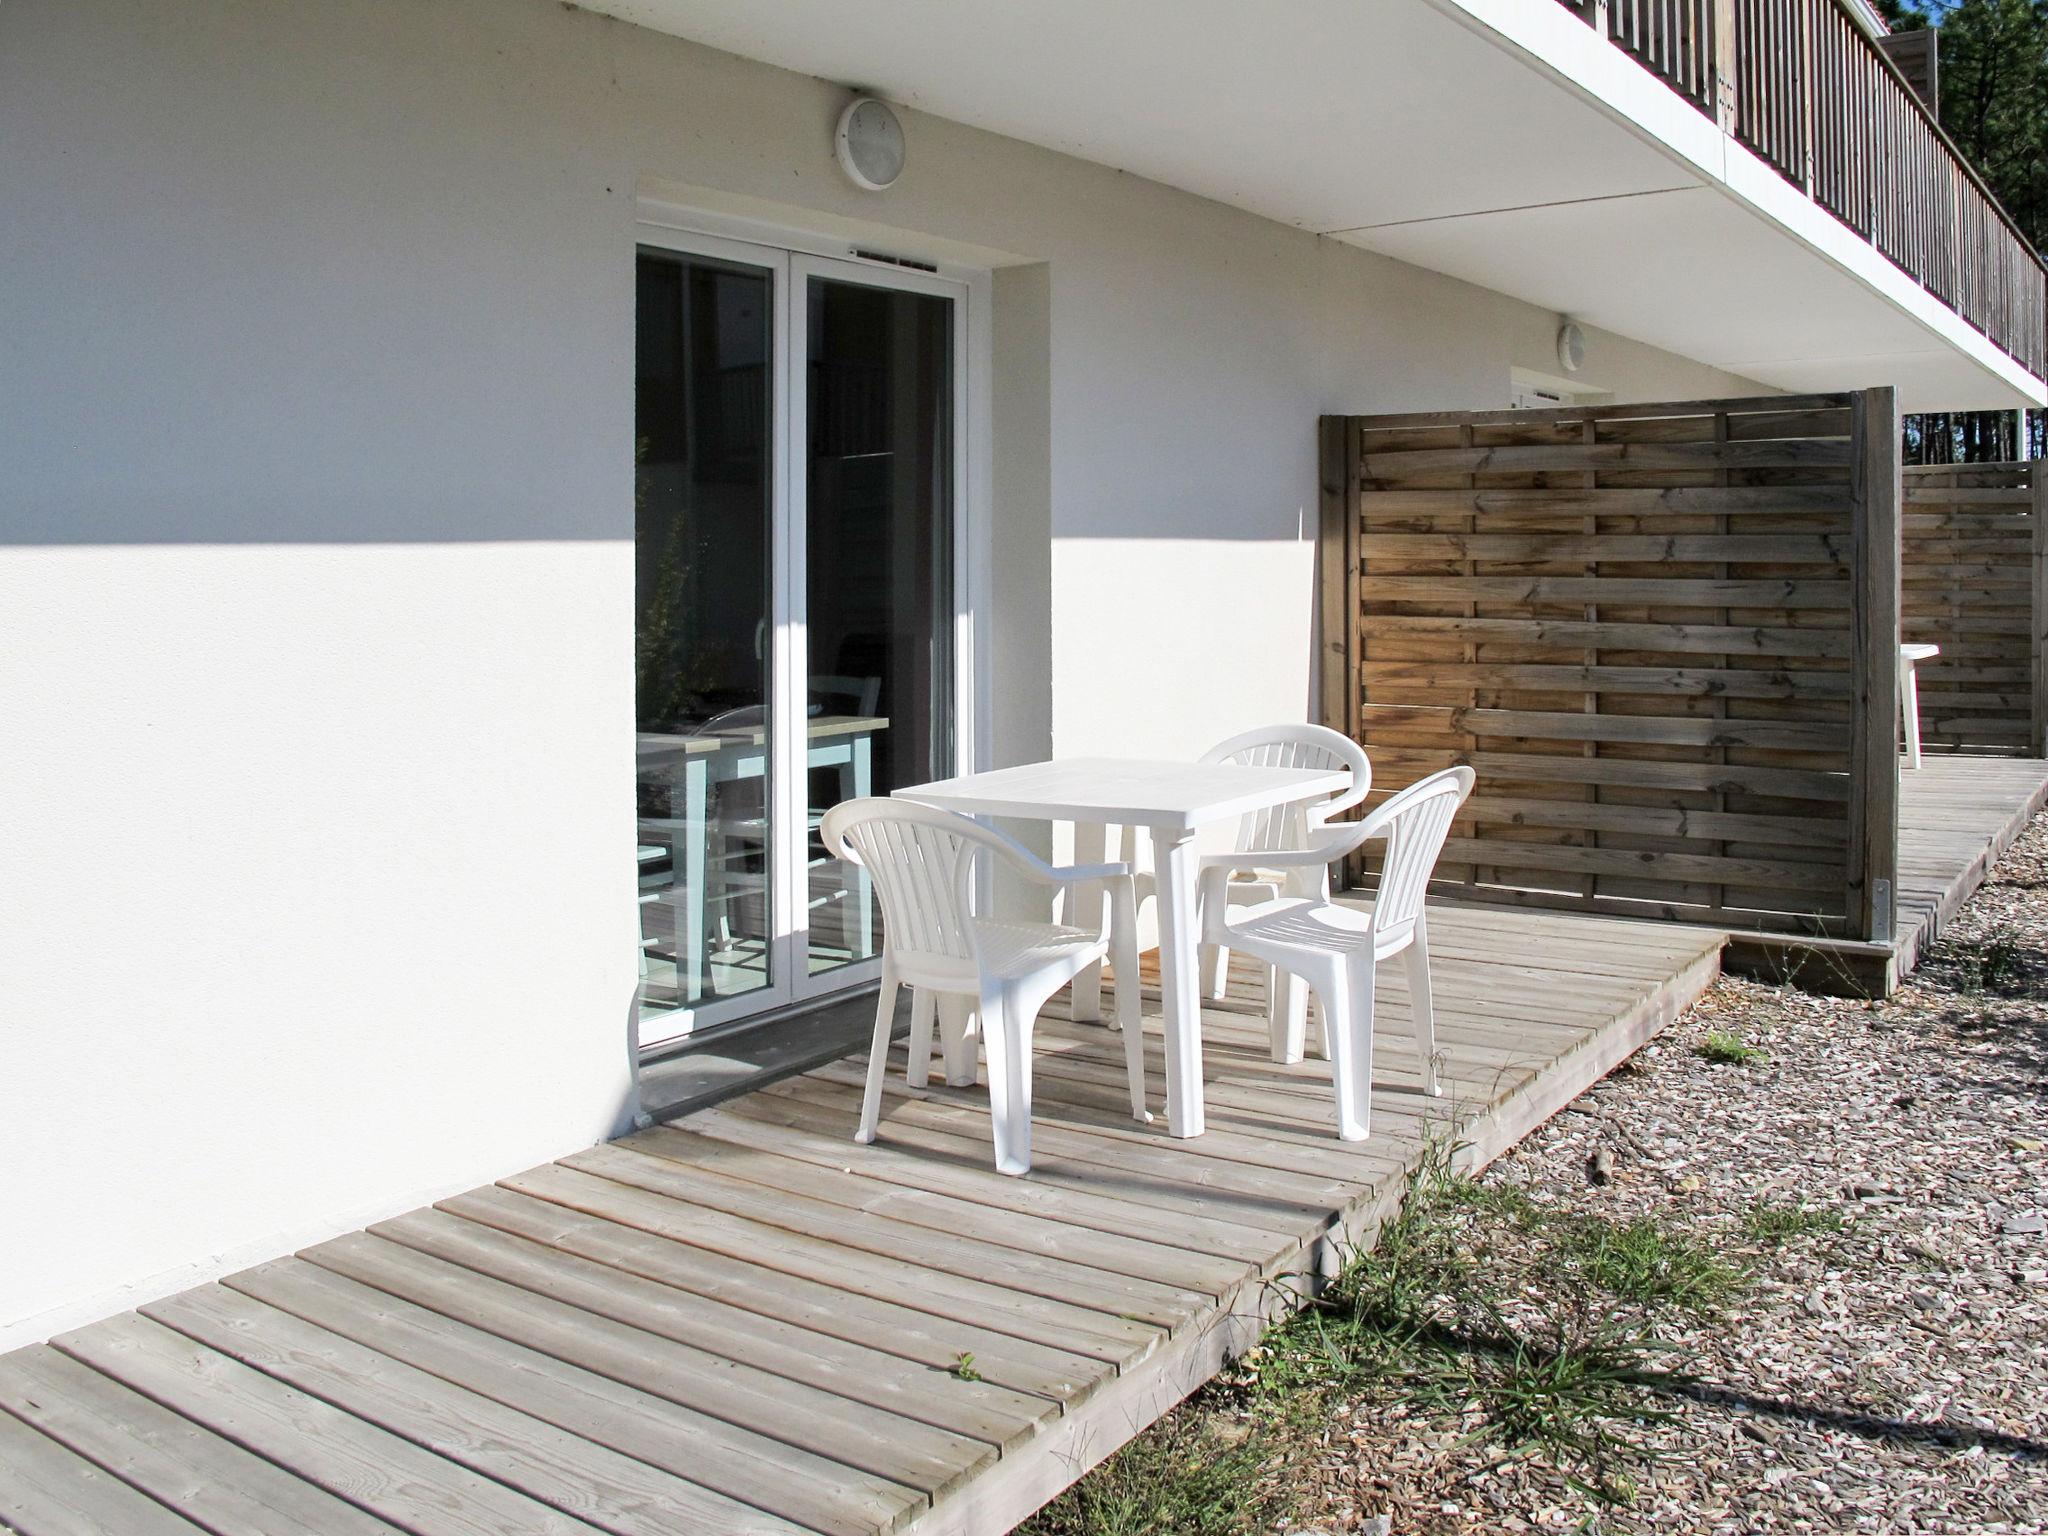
{"type": "Point", "coordinates": [1639, 1261]}
{"type": "Point", "coordinates": [1768, 1222]}
{"type": "Point", "coordinates": [1726, 1049]}
{"type": "Point", "coordinates": [1530, 1329]}
{"type": "Point", "coordinates": [1429, 1317]}
{"type": "Point", "coordinates": [1190, 1474]}
{"type": "Point", "coordinates": [1510, 1202]}
{"type": "Point", "coordinates": [1994, 963]}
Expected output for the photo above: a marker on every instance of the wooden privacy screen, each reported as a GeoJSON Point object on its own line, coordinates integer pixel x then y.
{"type": "Point", "coordinates": [1664, 635]}
{"type": "Point", "coordinates": [1975, 580]}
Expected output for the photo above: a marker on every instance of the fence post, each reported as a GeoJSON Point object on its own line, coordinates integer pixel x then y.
{"type": "Point", "coordinates": [1874, 668]}
{"type": "Point", "coordinates": [2037, 740]}
{"type": "Point", "coordinates": [1337, 680]}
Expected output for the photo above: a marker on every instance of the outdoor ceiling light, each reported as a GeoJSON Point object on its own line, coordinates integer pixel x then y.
{"type": "Point", "coordinates": [1571, 347]}
{"type": "Point", "coordinates": [869, 142]}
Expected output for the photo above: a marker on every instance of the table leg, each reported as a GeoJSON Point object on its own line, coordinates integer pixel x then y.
{"type": "Point", "coordinates": [690, 929]}
{"type": "Point", "coordinates": [1180, 996]}
{"type": "Point", "coordinates": [1090, 839]}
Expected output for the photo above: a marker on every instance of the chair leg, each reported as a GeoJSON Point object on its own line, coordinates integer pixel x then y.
{"type": "Point", "coordinates": [1130, 1021]}
{"type": "Point", "coordinates": [1006, 1019]}
{"type": "Point", "coordinates": [957, 1040]}
{"type": "Point", "coordinates": [922, 1002]}
{"type": "Point", "coordinates": [1347, 1005]}
{"type": "Point", "coordinates": [1423, 1007]}
{"type": "Point", "coordinates": [1216, 969]}
{"type": "Point", "coordinates": [1286, 1014]}
{"type": "Point", "coordinates": [878, 1057]}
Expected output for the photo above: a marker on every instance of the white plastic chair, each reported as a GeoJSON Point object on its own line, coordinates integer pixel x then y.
{"type": "Point", "coordinates": [923, 863]}
{"type": "Point", "coordinates": [1337, 949]}
{"type": "Point", "coordinates": [1280, 826]}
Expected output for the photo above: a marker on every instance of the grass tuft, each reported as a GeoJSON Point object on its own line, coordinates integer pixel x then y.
{"type": "Point", "coordinates": [1995, 963]}
{"type": "Point", "coordinates": [1190, 1474]}
{"type": "Point", "coordinates": [1776, 1223]}
{"type": "Point", "coordinates": [1724, 1048]}
{"type": "Point", "coordinates": [1641, 1262]}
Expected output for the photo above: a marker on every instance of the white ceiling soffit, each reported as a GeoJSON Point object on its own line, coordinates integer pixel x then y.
{"type": "Point", "coordinates": [1395, 127]}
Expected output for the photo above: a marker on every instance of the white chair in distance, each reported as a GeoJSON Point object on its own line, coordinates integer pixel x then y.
{"type": "Point", "coordinates": [1337, 949]}
{"type": "Point", "coordinates": [926, 864]}
{"type": "Point", "coordinates": [1281, 826]}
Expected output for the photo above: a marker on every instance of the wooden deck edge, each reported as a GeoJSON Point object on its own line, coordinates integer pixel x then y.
{"type": "Point", "coordinates": [1573, 1073]}
{"type": "Point", "coordinates": [1109, 1418]}
{"type": "Point", "coordinates": [1854, 968]}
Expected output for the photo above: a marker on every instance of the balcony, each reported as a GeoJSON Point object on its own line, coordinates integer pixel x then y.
{"type": "Point", "coordinates": [1803, 86]}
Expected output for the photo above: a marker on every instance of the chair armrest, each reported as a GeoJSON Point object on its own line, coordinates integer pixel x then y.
{"type": "Point", "coordinates": [1074, 874]}
{"type": "Point", "coordinates": [1030, 865]}
{"type": "Point", "coordinates": [1325, 846]}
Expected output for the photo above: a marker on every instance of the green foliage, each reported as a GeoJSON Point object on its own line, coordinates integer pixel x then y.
{"type": "Point", "coordinates": [963, 1366]}
{"type": "Point", "coordinates": [1728, 1050]}
{"type": "Point", "coordinates": [1430, 1316]}
{"type": "Point", "coordinates": [1774, 1223]}
{"type": "Point", "coordinates": [1191, 1474]}
{"type": "Point", "coordinates": [1640, 1261]}
{"type": "Point", "coordinates": [1994, 99]}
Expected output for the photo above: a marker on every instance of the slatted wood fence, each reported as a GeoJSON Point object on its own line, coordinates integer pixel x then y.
{"type": "Point", "coordinates": [1975, 583]}
{"type": "Point", "coordinates": [1664, 635]}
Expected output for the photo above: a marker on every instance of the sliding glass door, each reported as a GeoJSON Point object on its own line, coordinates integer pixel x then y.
{"type": "Point", "coordinates": [798, 474]}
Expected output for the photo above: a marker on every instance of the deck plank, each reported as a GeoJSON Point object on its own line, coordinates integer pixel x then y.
{"type": "Point", "coordinates": [387, 1474]}
{"type": "Point", "coordinates": [174, 1461]}
{"type": "Point", "coordinates": [739, 1469]}
{"type": "Point", "coordinates": [980, 1409]}
{"type": "Point", "coordinates": [804, 1432]}
{"type": "Point", "coordinates": [927, 1338]}
{"type": "Point", "coordinates": [46, 1490]}
{"type": "Point", "coordinates": [1107, 1293]}
{"type": "Point", "coordinates": [586, 1481]}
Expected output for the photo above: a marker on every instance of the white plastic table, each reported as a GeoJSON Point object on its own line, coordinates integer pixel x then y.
{"type": "Point", "coordinates": [1910, 657]}
{"type": "Point", "coordinates": [1171, 800]}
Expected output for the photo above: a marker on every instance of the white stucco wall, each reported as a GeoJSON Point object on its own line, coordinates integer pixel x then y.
{"type": "Point", "coordinates": [315, 565]}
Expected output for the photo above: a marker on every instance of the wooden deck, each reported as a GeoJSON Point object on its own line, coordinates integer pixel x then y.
{"type": "Point", "coordinates": [743, 1322]}
{"type": "Point", "coordinates": [1956, 816]}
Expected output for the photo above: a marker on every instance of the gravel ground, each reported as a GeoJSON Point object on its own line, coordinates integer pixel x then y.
{"type": "Point", "coordinates": [1887, 1371]}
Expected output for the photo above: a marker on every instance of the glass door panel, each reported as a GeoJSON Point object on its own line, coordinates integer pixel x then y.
{"type": "Point", "coordinates": [879, 474]}
{"type": "Point", "coordinates": [704, 501]}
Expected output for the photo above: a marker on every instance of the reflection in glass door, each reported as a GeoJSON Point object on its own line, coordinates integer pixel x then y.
{"type": "Point", "coordinates": [878, 472]}
{"type": "Point", "coordinates": [797, 485]}
{"type": "Point", "coordinates": [704, 504]}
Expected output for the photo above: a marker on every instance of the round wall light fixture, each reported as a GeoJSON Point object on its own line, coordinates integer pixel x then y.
{"type": "Point", "coordinates": [869, 142]}
{"type": "Point", "coordinates": [1571, 347]}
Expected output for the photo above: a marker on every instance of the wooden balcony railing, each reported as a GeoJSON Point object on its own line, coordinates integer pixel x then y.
{"type": "Point", "coordinates": [1803, 86]}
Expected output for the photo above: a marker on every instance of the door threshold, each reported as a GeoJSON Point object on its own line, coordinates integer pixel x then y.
{"type": "Point", "coordinates": [702, 1070]}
